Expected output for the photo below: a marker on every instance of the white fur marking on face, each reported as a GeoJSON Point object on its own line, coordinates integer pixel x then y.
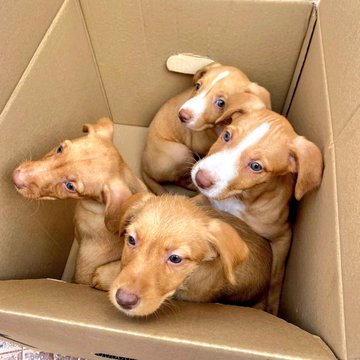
{"type": "Point", "coordinates": [231, 205]}
{"type": "Point", "coordinates": [197, 104]}
{"type": "Point", "coordinates": [218, 78]}
{"type": "Point", "coordinates": [223, 165]}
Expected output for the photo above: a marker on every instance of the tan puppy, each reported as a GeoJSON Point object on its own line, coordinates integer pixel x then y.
{"type": "Point", "coordinates": [202, 255]}
{"type": "Point", "coordinates": [88, 168]}
{"type": "Point", "coordinates": [252, 172]}
{"type": "Point", "coordinates": [184, 125]}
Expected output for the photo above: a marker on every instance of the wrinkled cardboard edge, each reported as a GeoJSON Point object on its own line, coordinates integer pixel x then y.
{"type": "Point", "coordinates": [187, 63]}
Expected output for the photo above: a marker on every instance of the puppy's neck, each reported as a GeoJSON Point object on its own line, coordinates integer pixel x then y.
{"type": "Point", "coordinates": [265, 208]}
{"type": "Point", "coordinates": [93, 206]}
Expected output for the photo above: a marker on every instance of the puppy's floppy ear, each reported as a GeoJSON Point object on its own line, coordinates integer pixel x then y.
{"type": "Point", "coordinates": [103, 128]}
{"type": "Point", "coordinates": [260, 92]}
{"type": "Point", "coordinates": [228, 244]}
{"type": "Point", "coordinates": [306, 160]}
{"type": "Point", "coordinates": [114, 195]}
{"type": "Point", "coordinates": [201, 72]}
{"type": "Point", "coordinates": [242, 103]}
{"type": "Point", "coordinates": [131, 206]}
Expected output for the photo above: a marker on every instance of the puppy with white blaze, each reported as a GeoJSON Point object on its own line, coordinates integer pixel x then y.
{"type": "Point", "coordinates": [187, 124]}
{"type": "Point", "coordinates": [252, 171]}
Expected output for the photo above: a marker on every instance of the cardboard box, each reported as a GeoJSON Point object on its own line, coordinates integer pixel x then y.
{"type": "Point", "coordinates": [64, 63]}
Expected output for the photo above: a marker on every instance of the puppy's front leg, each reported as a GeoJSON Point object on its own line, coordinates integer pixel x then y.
{"type": "Point", "coordinates": [105, 275]}
{"type": "Point", "coordinates": [280, 249]}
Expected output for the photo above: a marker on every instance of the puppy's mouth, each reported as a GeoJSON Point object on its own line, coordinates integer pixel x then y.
{"type": "Point", "coordinates": [192, 125]}
{"type": "Point", "coordinates": [28, 193]}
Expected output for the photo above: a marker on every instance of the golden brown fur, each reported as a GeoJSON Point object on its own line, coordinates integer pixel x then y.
{"type": "Point", "coordinates": [290, 165]}
{"type": "Point", "coordinates": [101, 179]}
{"type": "Point", "coordinates": [222, 260]}
{"type": "Point", "coordinates": [170, 147]}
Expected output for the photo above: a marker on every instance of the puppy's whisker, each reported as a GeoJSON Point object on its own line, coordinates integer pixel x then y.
{"type": "Point", "coordinates": [37, 207]}
{"type": "Point", "coordinates": [30, 155]}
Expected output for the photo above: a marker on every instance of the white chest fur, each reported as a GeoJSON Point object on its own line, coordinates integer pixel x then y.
{"type": "Point", "coordinates": [232, 206]}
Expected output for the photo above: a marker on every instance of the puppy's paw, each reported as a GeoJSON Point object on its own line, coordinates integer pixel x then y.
{"type": "Point", "coordinates": [98, 282]}
{"type": "Point", "coordinates": [105, 275]}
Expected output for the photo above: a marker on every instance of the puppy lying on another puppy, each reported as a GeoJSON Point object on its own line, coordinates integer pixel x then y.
{"type": "Point", "coordinates": [202, 256]}
{"type": "Point", "coordinates": [252, 172]}
{"type": "Point", "coordinates": [185, 124]}
{"type": "Point", "coordinates": [91, 169]}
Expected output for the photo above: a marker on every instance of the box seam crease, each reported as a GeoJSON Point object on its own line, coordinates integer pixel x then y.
{"type": "Point", "coordinates": [29, 64]}
{"type": "Point", "coordinates": [96, 65]}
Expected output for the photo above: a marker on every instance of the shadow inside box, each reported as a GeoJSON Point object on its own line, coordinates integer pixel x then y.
{"type": "Point", "coordinates": [10, 351]}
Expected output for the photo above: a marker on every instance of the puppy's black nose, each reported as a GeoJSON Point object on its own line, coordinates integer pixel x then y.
{"type": "Point", "coordinates": [126, 300]}
{"type": "Point", "coordinates": [185, 116]}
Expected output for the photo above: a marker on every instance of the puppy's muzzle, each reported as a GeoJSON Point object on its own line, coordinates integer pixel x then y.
{"type": "Point", "coordinates": [126, 300]}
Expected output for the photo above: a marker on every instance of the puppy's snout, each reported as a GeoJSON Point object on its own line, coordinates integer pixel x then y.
{"type": "Point", "coordinates": [126, 300]}
{"type": "Point", "coordinates": [185, 115]}
{"type": "Point", "coordinates": [18, 178]}
{"type": "Point", "coordinates": [204, 179]}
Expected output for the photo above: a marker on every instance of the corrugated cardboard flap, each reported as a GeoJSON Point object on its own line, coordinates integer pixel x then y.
{"type": "Point", "coordinates": [78, 320]}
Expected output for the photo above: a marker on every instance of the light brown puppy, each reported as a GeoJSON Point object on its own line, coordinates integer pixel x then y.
{"type": "Point", "coordinates": [194, 253]}
{"type": "Point", "coordinates": [185, 125]}
{"type": "Point", "coordinates": [252, 172]}
{"type": "Point", "coordinates": [91, 169]}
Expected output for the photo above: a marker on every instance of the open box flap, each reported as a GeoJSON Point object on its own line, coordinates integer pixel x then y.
{"type": "Point", "coordinates": [80, 321]}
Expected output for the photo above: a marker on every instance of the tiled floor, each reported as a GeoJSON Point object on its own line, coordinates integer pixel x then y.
{"type": "Point", "coordinates": [13, 352]}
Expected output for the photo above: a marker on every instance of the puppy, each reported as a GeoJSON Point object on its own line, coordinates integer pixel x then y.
{"type": "Point", "coordinates": [91, 169]}
{"type": "Point", "coordinates": [201, 256]}
{"type": "Point", "coordinates": [252, 172]}
{"type": "Point", "coordinates": [184, 125]}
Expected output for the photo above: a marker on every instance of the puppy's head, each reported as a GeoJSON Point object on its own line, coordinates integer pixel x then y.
{"type": "Point", "coordinates": [88, 166]}
{"type": "Point", "coordinates": [254, 149]}
{"type": "Point", "coordinates": [162, 249]}
{"type": "Point", "coordinates": [214, 87]}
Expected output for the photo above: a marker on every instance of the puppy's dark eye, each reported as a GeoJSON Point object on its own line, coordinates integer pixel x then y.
{"type": "Point", "coordinates": [175, 259]}
{"type": "Point", "coordinates": [220, 103]}
{"type": "Point", "coordinates": [255, 166]}
{"type": "Point", "coordinates": [197, 86]}
{"type": "Point", "coordinates": [70, 186]}
{"type": "Point", "coordinates": [131, 240]}
{"type": "Point", "coordinates": [227, 136]}
{"type": "Point", "coordinates": [59, 149]}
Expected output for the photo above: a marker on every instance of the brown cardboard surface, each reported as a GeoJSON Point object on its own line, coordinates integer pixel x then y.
{"type": "Point", "coordinates": [347, 153]}
{"type": "Point", "coordinates": [59, 91]}
{"type": "Point", "coordinates": [20, 37]}
{"type": "Point", "coordinates": [326, 108]}
{"type": "Point", "coordinates": [141, 35]}
{"type": "Point", "coordinates": [340, 28]}
{"type": "Point", "coordinates": [191, 331]}
{"type": "Point", "coordinates": [312, 293]}
{"type": "Point", "coordinates": [340, 31]}
{"type": "Point", "coordinates": [314, 271]}
{"type": "Point", "coordinates": [130, 141]}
